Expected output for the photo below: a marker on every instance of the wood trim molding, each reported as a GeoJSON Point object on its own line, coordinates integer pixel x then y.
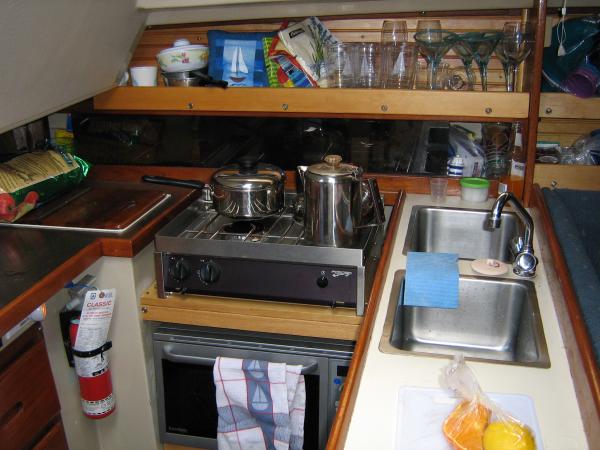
{"type": "Point", "coordinates": [582, 337]}
{"type": "Point", "coordinates": [341, 424]}
{"type": "Point", "coordinates": [539, 19]}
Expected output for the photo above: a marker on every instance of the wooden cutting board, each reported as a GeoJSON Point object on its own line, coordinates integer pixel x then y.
{"type": "Point", "coordinates": [95, 207]}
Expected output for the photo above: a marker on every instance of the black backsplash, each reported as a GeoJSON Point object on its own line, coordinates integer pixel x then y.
{"type": "Point", "coordinates": [383, 146]}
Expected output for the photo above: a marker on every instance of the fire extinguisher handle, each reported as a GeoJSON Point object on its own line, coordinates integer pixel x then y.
{"type": "Point", "coordinates": [89, 353]}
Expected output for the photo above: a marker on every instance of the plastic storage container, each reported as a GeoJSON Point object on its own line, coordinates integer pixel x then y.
{"type": "Point", "coordinates": [474, 189]}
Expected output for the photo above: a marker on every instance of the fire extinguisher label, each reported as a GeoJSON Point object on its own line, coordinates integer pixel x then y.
{"type": "Point", "coordinates": [91, 367]}
{"type": "Point", "coordinates": [98, 407]}
{"type": "Point", "coordinates": [95, 321]}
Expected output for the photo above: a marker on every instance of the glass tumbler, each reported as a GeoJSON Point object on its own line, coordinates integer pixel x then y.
{"type": "Point", "coordinates": [341, 65]}
{"type": "Point", "coordinates": [398, 65]}
{"type": "Point", "coordinates": [369, 60]}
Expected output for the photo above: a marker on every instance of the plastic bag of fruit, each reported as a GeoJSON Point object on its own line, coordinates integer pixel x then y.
{"type": "Point", "coordinates": [477, 423]}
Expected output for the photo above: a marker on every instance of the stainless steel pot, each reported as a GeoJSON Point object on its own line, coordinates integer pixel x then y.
{"type": "Point", "coordinates": [247, 190]}
{"type": "Point", "coordinates": [338, 201]}
{"type": "Point", "coordinates": [189, 79]}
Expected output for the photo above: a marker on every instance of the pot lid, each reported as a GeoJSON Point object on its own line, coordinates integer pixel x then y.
{"type": "Point", "coordinates": [248, 175]}
{"type": "Point", "coordinates": [332, 166]}
{"type": "Point", "coordinates": [182, 45]}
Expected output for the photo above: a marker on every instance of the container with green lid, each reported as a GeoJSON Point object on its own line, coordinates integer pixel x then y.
{"type": "Point", "coordinates": [474, 189]}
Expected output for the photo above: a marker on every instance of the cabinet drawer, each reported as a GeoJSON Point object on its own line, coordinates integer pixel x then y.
{"type": "Point", "coordinates": [28, 399]}
{"type": "Point", "coordinates": [54, 439]}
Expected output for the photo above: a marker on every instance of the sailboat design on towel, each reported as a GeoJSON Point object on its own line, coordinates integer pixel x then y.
{"type": "Point", "coordinates": [260, 400]}
{"type": "Point", "coordinates": [256, 370]}
{"type": "Point", "coordinates": [239, 69]}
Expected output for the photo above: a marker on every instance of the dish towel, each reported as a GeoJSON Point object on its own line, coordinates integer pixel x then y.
{"type": "Point", "coordinates": [260, 405]}
{"type": "Point", "coordinates": [431, 280]}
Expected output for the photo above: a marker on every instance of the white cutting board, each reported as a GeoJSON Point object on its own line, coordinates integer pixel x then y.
{"type": "Point", "coordinates": [422, 411]}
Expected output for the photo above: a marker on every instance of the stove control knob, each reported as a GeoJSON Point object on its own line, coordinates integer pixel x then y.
{"type": "Point", "coordinates": [209, 272]}
{"type": "Point", "coordinates": [322, 281]}
{"type": "Point", "coordinates": [180, 269]}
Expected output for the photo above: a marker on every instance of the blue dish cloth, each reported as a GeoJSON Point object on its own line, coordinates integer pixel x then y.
{"type": "Point", "coordinates": [431, 280]}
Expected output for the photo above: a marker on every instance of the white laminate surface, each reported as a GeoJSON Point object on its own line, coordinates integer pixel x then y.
{"type": "Point", "coordinates": [374, 419]}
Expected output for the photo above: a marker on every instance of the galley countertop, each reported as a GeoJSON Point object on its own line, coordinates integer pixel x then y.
{"type": "Point", "coordinates": [552, 390]}
{"type": "Point", "coordinates": [37, 263]}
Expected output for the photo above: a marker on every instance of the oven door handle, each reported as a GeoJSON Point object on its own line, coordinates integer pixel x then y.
{"type": "Point", "coordinates": [208, 361]}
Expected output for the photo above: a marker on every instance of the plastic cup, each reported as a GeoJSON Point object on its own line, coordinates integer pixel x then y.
{"type": "Point", "coordinates": [143, 75]}
{"type": "Point", "coordinates": [438, 187]}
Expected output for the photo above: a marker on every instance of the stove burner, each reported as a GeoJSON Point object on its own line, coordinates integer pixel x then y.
{"type": "Point", "coordinates": [244, 227]}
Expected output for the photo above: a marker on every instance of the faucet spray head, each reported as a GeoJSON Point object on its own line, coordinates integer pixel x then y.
{"type": "Point", "coordinates": [494, 222]}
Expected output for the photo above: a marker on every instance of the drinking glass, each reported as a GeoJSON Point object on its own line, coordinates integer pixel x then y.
{"type": "Point", "coordinates": [341, 65]}
{"type": "Point", "coordinates": [398, 65]}
{"type": "Point", "coordinates": [368, 67]}
{"type": "Point", "coordinates": [434, 44]}
{"type": "Point", "coordinates": [428, 24]}
{"type": "Point", "coordinates": [394, 32]}
{"type": "Point", "coordinates": [514, 46]}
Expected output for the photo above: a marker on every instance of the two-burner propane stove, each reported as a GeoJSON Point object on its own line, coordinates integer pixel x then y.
{"type": "Point", "coordinates": [203, 252]}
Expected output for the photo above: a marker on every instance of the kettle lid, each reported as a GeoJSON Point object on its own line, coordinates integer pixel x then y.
{"type": "Point", "coordinates": [332, 166]}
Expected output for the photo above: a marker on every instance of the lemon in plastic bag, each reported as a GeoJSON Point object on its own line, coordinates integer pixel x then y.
{"type": "Point", "coordinates": [507, 436]}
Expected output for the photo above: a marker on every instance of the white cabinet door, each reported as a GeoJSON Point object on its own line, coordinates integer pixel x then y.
{"type": "Point", "coordinates": [57, 53]}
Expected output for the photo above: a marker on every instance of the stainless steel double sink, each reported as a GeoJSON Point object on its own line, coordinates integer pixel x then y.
{"type": "Point", "coordinates": [498, 319]}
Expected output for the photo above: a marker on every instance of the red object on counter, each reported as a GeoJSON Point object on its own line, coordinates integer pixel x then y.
{"type": "Point", "coordinates": [97, 398]}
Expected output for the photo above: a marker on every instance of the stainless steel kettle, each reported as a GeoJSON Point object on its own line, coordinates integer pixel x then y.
{"type": "Point", "coordinates": [338, 201]}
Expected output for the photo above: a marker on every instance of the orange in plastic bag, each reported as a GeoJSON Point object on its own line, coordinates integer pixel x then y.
{"type": "Point", "coordinates": [465, 425]}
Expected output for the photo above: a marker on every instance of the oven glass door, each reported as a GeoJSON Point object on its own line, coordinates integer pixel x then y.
{"type": "Point", "coordinates": [186, 393]}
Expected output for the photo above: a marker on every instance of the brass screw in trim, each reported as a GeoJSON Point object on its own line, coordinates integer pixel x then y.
{"type": "Point", "coordinates": [384, 108]}
{"type": "Point", "coordinates": [548, 110]}
{"type": "Point", "coordinates": [488, 110]}
{"type": "Point", "coordinates": [144, 309]}
{"type": "Point", "coordinates": [190, 105]}
{"type": "Point", "coordinates": [284, 106]}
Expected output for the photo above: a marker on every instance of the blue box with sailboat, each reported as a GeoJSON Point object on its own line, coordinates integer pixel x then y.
{"type": "Point", "coordinates": [237, 58]}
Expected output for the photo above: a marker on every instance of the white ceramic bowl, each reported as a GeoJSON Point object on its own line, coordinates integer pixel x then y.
{"type": "Point", "coordinates": [183, 57]}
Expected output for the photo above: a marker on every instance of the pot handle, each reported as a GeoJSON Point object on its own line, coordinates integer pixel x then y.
{"type": "Point", "coordinates": [378, 210]}
{"type": "Point", "coordinates": [191, 184]}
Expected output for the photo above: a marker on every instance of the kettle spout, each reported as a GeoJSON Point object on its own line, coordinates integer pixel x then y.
{"type": "Point", "coordinates": [301, 172]}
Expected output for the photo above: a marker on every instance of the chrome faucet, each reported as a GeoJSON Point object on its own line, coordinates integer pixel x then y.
{"type": "Point", "coordinates": [524, 261]}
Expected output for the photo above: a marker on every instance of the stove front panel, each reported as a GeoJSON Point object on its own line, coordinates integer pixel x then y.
{"type": "Point", "coordinates": [267, 280]}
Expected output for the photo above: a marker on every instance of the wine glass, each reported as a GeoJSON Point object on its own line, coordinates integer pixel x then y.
{"type": "Point", "coordinates": [434, 44]}
{"type": "Point", "coordinates": [464, 50]}
{"type": "Point", "coordinates": [483, 45]}
{"type": "Point", "coordinates": [514, 46]}
{"type": "Point", "coordinates": [479, 46]}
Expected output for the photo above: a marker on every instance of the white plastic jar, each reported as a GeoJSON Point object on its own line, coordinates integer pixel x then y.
{"type": "Point", "coordinates": [474, 190]}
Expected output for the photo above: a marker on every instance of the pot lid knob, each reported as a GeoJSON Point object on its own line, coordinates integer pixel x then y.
{"type": "Point", "coordinates": [333, 160]}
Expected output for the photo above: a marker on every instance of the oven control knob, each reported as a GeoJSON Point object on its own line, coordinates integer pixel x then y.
{"type": "Point", "coordinates": [180, 270]}
{"type": "Point", "coordinates": [322, 281]}
{"type": "Point", "coordinates": [209, 272]}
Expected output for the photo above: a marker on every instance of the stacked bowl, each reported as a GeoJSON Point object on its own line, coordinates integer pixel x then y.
{"type": "Point", "coordinates": [183, 64]}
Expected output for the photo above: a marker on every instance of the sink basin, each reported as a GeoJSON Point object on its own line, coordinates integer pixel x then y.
{"type": "Point", "coordinates": [462, 231]}
{"type": "Point", "coordinates": [497, 320]}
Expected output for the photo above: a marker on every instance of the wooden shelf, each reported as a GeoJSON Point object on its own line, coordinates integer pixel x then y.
{"type": "Point", "coordinates": [365, 103]}
{"type": "Point", "coordinates": [568, 106]}
{"type": "Point", "coordinates": [252, 315]}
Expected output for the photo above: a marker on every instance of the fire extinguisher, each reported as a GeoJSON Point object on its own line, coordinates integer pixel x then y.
{"type": "Point", "coordinates": [95, 384]}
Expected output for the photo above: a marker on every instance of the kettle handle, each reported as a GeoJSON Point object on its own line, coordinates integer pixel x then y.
{"type": "Point", "coordinates": [378, 210]}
